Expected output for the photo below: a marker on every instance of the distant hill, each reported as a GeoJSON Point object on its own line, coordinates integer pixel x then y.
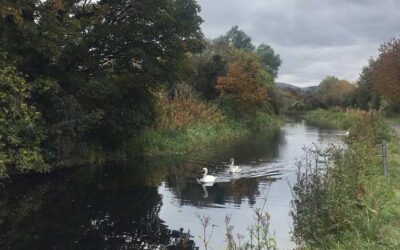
{"type": "Point", "coordinates": [298, 90]}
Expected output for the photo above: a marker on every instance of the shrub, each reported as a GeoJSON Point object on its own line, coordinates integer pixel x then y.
{"type": "Point", "coordinates": [341, 197]}
{"type": "Point", "coordinates": [182, 112]}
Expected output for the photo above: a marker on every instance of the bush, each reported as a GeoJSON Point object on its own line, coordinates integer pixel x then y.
{"type": "Point", "coordinates": [182, 112]}
{"type": "Point", "coordinates": [341, 198]}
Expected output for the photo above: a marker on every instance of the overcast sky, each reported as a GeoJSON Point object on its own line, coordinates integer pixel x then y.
{"type": "Point", "coordinates": [314, 38]}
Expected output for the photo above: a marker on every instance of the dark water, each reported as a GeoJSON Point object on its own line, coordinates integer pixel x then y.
{"type": "Point", "coordinates": [146, 202]}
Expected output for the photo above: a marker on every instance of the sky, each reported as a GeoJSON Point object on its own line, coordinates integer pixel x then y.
{"type": "Point", "coordinates": [314, 38]}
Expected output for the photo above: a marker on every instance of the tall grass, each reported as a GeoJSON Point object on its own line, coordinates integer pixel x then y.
{"type": "Point", "coordinates": [167, 141]}
{"type": "Point", "coordinates": [333, 118]}
{"type": "Point", "coordinates": [341, 200]}
{"type": "Point", "coordinates": [187, 124]}
{"type": "Point", "coordinates": [185, 111]}
{"type": "Point", "coordinates": [259, 236]}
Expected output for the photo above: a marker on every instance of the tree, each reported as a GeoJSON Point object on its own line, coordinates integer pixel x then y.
{"type": "Point", "coordinates": [93, 65]}
{"type": "Point", "coordinates": [237, 38]}
{"type": "Point", "coordinates": [385, 71]}
{"type": "Point", "coordinates": [21, 133]}
{"type": "Point", "coordinates": [243, 90]}
{"type": "Point", "coordinates": [240, 40]}
{"type": "Point", "coordinates": [364, 96]}
{"type": "Point", "coordinates": [334, 92]}
{"type": "Point", "coordinates": [208, 66]}
{"type": "Point", "coordinates": [206, 76]}
{"type": "Point", "coordinates": [137, 46]}
{"type": "Point", "coordinates": [269, 59]}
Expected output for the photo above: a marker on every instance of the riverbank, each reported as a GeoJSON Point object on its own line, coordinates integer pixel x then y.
{"type": "Point", "coordinates": [166, 141]}
{"type": "Point", "coordinates": [350, 205]}
{"type": "Point", "coordinates": [142, 196]}
{"type": "Point", "coordinates": [334, 118]}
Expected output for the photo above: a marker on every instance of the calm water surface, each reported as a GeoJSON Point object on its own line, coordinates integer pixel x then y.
{"type": "Point", "coordinates": [146, 202]}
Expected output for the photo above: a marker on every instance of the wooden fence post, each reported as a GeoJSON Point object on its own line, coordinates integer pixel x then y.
{"type": "Point", "coordinates": [384, 159]}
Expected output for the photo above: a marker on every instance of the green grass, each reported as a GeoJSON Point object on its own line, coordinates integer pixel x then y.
{"type": "Point", "coordinates": [333, 118]}
{"type": "Point", "coordinates": [380, 230]}
{"type": "Point", "coordinates": [352, 206]}
{"type": "Point", "coordinates": [165, 141]}
{"type": "Point", "coordinates": [196, 136]}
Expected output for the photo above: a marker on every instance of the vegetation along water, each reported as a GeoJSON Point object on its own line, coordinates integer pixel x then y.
{"type": "Point", "coordinates": [109, 110]}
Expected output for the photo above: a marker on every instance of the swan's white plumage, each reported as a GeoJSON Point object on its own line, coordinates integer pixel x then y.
{"type": "Point", "coordinates": [233, 168]}
{"type": "Point", "coordinates": [207, 178]}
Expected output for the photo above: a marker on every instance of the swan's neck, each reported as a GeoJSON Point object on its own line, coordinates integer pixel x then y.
{"type": "Point", "coordinates": [232, 162]}
{"type": "Point", "coordinates": [205, 174]}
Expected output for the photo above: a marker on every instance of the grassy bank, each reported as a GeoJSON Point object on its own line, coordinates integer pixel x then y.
{"type": "Point", "coordinates": [187, 124]}
{"type": "Point", "coordinates": [164, 141]}
{"type": "Point", "coordinates": [183, 125]}
{"type": "Point", "coordinates": [333, 118]}
{"type": "Point", "coordinates": [346, 203]}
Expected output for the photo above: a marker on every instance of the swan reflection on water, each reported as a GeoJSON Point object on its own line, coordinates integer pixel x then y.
{"type": "Point", "coordinates": [245, 171]}
{"type": "Point", "coordinates": [270, 170]}
{"type": "Point", "coordinates": [204, 186]}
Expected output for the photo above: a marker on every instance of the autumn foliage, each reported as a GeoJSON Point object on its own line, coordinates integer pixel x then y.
{"type": "Point", "coordinates": [184, 111]}
{"type": "Point", "coordinates": [242, 89]}
{"type": "Point", "coordinates": [386, 71]}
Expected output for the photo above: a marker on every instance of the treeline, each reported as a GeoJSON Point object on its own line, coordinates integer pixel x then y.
{"type": "Point", "coordinates": [232, 73]}
{"type": "Point", "coordinates": [379, 83]}
{"type": "Point", "coordinates": [228, 91]}
{"type": "Point", "coordinates": [378, 87]}
{"type": "Point", "coordinates": [78, 73]}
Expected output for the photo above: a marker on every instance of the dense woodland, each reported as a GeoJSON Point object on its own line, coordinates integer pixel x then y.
{"type": "Point", "coordinates": [77, 73]}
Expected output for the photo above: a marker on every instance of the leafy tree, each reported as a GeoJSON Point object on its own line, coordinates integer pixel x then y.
{"type": "Point", "coordinates": [269, 59]}
{"type": "Point", "coordinates": [334, 92]}
{"type": "Point", "coordinates": [243, 90]}
{"type": "Point", "coordinates": [251, 63]}
{"type": "Point", "coordinates": [364, 96]}
{"type": "Point", "coordinates": [134, 57]}
{"type": "Point", "coordinates": [385, 71]}
{"type": "Point", "coordinates": [92, 65]}
{"type": "Point", "coordinates": [21, 133]}
{"type": "Point", "coordinates": [237, 38]}
{"type": "Point", "coordinates": [206, 76]}
{"type": "Point", "coordinates": [208, 66]}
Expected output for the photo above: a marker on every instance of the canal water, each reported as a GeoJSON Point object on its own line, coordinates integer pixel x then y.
{"type": "Point", "coordinates": [155, 202]}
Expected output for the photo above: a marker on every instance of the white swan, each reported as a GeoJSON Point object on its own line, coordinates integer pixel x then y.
{"type": "Point", "coordinates": [232, 168]}
{"type": "Point", "coordinates": [207, 178]}
{"type": "Point", "coordinates": [347, 133]}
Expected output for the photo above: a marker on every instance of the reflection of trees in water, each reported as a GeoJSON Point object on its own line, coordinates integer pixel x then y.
{"type": "Point", "coordinates": [264, 146]}
{"type": "Point", "coordinates": [79, 213]}
{"type": "Point", "coordinates": [181, 177]}
{"type": "Point", "coordinates": [220, 193]}
{"type": "Point", "coordinates": [118, 206]}
{"type": "Point", "coordinates": [180, 172]}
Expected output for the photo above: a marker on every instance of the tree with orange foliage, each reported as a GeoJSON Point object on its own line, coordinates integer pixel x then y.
{"type": "Point", "coordinates": [243, 89]}
{"type": "Point", "coordinates": [386, 71]}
